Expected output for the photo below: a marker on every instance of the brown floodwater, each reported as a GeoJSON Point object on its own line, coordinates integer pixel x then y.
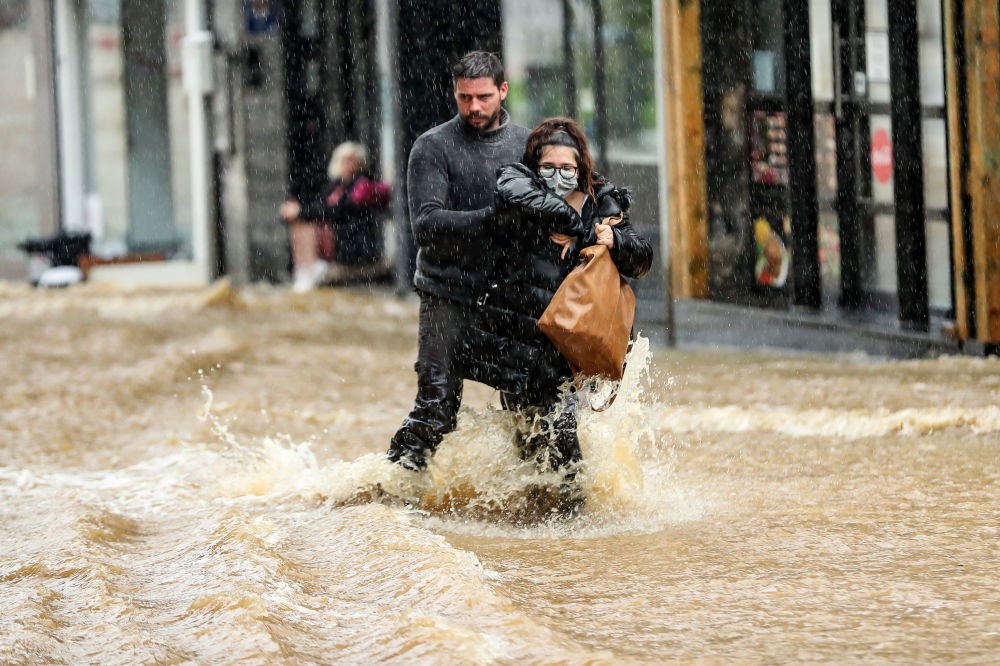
{"type": "Point", "coordinates": [185, 477]}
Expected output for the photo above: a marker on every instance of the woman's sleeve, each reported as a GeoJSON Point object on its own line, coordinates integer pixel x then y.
{"type": "Point", "coordinates": [632, 254]}
{"type": "Point", "coordinates": [518, 191]}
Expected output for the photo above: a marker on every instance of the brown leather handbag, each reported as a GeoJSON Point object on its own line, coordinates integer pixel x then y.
{"type": "Point", "coordinates": [590, 317]}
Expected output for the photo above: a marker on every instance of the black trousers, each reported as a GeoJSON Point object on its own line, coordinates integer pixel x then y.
{"type": "Point", "coordinates": [553, 442]}
{"type": "Point", "coordinates": [439, 384]}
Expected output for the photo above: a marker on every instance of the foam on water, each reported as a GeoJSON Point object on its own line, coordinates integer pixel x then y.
{"type": "Point", "coordinates": [476, 481]}
{"type": "Point", "coordinates": [231, 567]}
{"type": "Point", "coordinates": [848, 424]}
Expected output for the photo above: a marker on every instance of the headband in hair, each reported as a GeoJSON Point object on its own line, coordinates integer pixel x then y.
{"type": "Point", "coordinates": [561, 138]}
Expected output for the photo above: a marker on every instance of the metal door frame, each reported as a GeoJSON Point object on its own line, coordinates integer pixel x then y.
{"type": "Point", "coordinates": [855, 206]}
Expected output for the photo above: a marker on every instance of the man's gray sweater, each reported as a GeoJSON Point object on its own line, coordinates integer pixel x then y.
{"type": "Point", "coordinates": [451, 179]}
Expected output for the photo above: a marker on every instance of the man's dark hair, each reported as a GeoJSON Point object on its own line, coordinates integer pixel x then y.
{"type": "Point", "coordinates": [477, 65]}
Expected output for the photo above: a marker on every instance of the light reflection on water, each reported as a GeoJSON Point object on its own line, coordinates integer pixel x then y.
{"type": "Point", "coordinates": [179, 475]}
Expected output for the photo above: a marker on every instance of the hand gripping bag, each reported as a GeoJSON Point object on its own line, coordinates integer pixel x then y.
{"type": "Point", "coordinates": [590, 317]}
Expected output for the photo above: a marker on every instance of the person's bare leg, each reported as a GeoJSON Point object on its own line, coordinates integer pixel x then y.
{"type": "Point", "coordinates": [304, 245]}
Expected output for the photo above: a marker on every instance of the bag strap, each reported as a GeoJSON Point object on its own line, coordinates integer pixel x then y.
{"type": "Point", "coordinates": [580, 384]}
{"type": "Point", "coordinates": [611, 400]}
{"type": "Point", "coordinates": [578, 378]}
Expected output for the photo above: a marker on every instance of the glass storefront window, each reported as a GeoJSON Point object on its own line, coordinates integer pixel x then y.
{"type": "Point", "coordinates": [109, 162]}
{"type": "Point", "coordinates": [821, 47]}
{"type": "Point", "coordinates": [107, 159]}
{"type": "Point", "coordinates": [768, 60]}
{"type": "Point", "coordinates": [939, 265]}
{"type": "Point", "coordinates": [829, 250]}
{"type": "Point", "coordinates": [935, 149]}
{"type": "Point", "coordinates": [826, 193]}
{"type": "Point", "coordinates": [631, 103]}
{"type": "Point", "coordinates": [882, 278]}
{"type": "Point", "coordinates": [18, 125]}
{"type": "Point", "coordinates": [742, 51]}
{"type": "Point", "coordinates": [877, 15]}
{"type": "Point", "coordinates": [931, 53]}
{"type": "Point", "coordinates": [877, 51]}
{"type": "Point", "coordinates": [533, 59]}
{"type": "Point", "coordinates": [541, 79]}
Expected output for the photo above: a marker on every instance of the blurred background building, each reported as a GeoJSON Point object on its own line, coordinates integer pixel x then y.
{"type": "Point", "coordinates": [827, 159]}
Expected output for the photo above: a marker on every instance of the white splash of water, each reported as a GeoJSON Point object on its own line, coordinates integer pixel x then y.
{"type": "Point", "coordinates": [846, 424]}
{"type": "Point", "coordinates": [476, 478]}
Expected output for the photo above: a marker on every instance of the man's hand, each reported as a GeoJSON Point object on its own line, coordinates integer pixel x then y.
{"type": "Point", "coordinates": [562, 239]}
{"type": "Point", "coordinates": [290, 210]}
{"type": "Point", "coordinates": [604, 234]}
{"type": "Point", "coordinates": [335, 196]}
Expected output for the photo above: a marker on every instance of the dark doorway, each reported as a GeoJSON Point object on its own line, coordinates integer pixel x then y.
{"type": "Point", "coordinates": [858, 234]}
{"type": "Point", "coordinates": [854, 202]}
{"type": "Point", "coordinates": [883, 122]}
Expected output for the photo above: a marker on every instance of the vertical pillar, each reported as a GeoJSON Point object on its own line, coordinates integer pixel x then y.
{"type": "Point", "coordinates": [259, 176]}
{"type": "Point", "coordinates": [806, 287]}
{"type": "Point", "coordinates": [229, 155]}
{"type": "Point", "coordinates": [69, 113]}
{"type": "Point", "coordinates": [49, 192]}
{"type": "Point", "coordinates": [852, 124]}
{"type": "Point", "coordinates": [306, 68]}
{"type": "Point", "coordinates": [958, 164]}
{"type": "Point", "coordinates": [600, 91]}
{"type": "Point", "coordinates": [569, 71]}
{"type": "Point", "coordinates": [685, 139]}
{"type": "Point", "coordinates": [978, 172]}
{"type": "Point", "coordinates": [908, 184]}
{"type": "Point", "coordinates": [660, 47]}
{"type": "Point", "coordinates": [394, 162]}
{"type": "Point", "coordinates": [198, 84]}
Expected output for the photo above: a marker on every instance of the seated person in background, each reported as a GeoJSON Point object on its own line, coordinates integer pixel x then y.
{"type": "Point", "coordinates": [339, 222]}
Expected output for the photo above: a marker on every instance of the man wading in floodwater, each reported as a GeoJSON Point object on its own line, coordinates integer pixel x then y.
{"type": "Point", "coordinates": [451, 178]}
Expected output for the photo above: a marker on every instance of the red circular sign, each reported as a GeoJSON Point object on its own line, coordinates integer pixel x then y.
{"type": "Point", "coordinates": [882, 156]}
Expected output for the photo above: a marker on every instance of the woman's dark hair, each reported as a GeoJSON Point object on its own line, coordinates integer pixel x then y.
{"type": "Point", "coordinates": [552, 132]}
{"type": "Point", "coordinates": [478, 65]}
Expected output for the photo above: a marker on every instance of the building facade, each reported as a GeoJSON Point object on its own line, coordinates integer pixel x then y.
{"type": "Point", "coordinates": [831, 158]}
{"type": "Point", "coordinates": [841, 161]}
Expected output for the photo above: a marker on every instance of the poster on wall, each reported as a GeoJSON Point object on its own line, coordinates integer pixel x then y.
{"type": "Point", "coordinates": [261, 16]}
{"type": "Point", "coordinates": [768, 149]}
{"type": "Point", "coordinates": [772, 255]}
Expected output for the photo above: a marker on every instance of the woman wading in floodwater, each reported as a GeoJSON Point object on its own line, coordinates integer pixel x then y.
{"type": "Point", "coordinates": [549, 207]}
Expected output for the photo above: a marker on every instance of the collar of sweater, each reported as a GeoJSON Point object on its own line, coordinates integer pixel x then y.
{"type": "Point", "coordinates": [488, 136]}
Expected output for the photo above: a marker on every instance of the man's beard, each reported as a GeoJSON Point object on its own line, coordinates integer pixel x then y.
{"type": "Point", "coordinates": [490, 120]}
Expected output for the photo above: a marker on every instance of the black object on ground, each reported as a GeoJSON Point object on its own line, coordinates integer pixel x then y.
{"type": "Point", "coordinates": [63, 249]}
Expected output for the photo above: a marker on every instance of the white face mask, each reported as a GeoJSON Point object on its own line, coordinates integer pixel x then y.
{"type": "Point", "coordinates": [559, 184]}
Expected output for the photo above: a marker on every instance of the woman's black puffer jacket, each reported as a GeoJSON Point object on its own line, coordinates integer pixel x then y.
{"type": "Point", "coordinates": [504, 347]}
